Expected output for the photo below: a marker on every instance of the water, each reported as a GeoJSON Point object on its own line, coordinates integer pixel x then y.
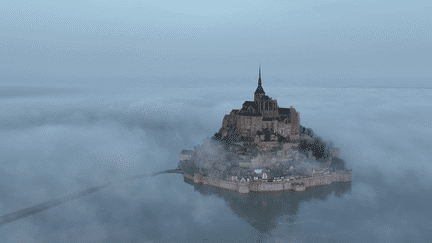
{"type": "Point", "coordinates": [80, 167]}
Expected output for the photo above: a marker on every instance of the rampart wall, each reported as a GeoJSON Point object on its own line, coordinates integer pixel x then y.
{"type": "Point", "coordinates": [299, 185]}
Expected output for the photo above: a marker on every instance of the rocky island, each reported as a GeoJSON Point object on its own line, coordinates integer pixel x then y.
{"type": "Point", "coordinates": [262, 147]}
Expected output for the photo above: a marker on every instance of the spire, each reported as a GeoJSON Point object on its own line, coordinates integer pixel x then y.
{"type": "Point", "coordinates": [259, 77]}
{"type": "Point", "coordinates": [259, 89]}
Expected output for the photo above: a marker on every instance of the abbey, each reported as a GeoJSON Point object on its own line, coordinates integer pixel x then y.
{"type": "Point", "coordinates": [260, 148]}
{"type": "Point", "coordinates": [262, 120]}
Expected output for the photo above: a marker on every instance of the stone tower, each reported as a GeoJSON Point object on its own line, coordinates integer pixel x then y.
{"type": "Point", "coordinates": [265, 105]}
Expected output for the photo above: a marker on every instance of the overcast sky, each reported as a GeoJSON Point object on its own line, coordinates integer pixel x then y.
{"type": "Point", "coordinates": [327, 43]}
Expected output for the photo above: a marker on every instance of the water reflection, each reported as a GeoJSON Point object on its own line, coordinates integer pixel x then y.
{"type": "Point", "coordinates": [262, 210]}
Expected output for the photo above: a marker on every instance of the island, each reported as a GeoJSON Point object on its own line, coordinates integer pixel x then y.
{"type": "Point", "coordinates": [263, 148]}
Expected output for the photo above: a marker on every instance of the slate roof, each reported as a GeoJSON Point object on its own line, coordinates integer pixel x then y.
{"type": "Point", "coordinates": [235, 112]}
{"type": "Point", "coordinates": [284, 110]}
{"type": "Point", "coordinates": [259, 90]}
{"type": "Point", "coordinates": [248, 104]}
{"type": "Point", "coordinates": [267, 119]}
{"type": "Point", "coordinates": [249, 108]}
{"type": "Point", "coordinates": [184, 151]}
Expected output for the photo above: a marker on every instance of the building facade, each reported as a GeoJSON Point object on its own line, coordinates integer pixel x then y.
{"type": "Point", "coordinates": [262, 119]}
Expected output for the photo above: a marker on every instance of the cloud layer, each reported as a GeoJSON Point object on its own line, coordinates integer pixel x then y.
{"type": "Point", "coordinates": [78, 142]}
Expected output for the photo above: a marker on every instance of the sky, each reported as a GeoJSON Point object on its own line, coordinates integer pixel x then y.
{"type": "Point", "coordinates": [329, 43]}
{"type": "Point", "coordinates": [96, 97]}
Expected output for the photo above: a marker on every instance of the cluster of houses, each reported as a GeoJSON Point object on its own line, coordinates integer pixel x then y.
{"type": "Point", "coordinates": [186, 155]}
{"type": "Point", "coordinates": [261, 176]}
{"type": "Point", "coordinates": [284, 155]}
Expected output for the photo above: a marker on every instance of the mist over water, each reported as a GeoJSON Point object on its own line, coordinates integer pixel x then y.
{"type": "Point", "coordinates": [85, 167]}
{"type": "Point", "coordinates": [216, 159]}
{"type": "Point", "coordinates": [98, 99]}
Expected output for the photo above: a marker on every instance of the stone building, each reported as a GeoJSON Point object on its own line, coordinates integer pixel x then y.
{"type": "Point", "coordinates": [335, 152]}
{"type": "Point", "coordinates": [262, 120]}
{"type": "Point", "coordinates": [185, 154]}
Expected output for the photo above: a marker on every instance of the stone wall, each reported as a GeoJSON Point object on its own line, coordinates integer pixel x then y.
{"type": "Point", "coordinates": [245, 164]}
{"type": "Point", "coordinates": [335, 152]}
{"type": "Point", "coordinates": [249, 125]}
{"type": "Point", "coordinates": [298, 184]}
{"type": "Point", "coordinates": [185, 157]}
{"type": "Point", "coordinates": [267, 146]}
{"type": "Point", "coordinates": [285, 155]}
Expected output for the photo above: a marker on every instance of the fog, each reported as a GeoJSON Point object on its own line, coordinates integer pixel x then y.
{"type": "Point", "coordinates": [98, 99]}
{"type": "Point", "coordinates": [217, 159]}
{"type": "Point", "coordinates": [88, 166]}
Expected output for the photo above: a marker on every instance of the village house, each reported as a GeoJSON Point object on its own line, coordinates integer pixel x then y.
{"type": "Point", "coordinates": [186, 154]}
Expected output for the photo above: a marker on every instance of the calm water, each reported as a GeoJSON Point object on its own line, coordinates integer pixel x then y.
{"type": "Point", "coordinates": [68, 157]}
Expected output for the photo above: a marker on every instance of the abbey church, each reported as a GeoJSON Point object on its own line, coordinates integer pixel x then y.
{"type": "Point", "coordinates": [262, 121]}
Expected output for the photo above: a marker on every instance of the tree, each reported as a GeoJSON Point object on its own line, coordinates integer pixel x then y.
{"type": "Point", "coordinates": [282, 139]}
{"type": "Point", "coordinates": [306, 131]}
{"type": "Point", "coordinates": [217, 136]}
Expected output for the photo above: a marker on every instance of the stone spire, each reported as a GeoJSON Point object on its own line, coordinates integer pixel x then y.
{"type": "Point", "coordinates": [259, 76]}
{"type": "Point", "coordinates": [259, 89]}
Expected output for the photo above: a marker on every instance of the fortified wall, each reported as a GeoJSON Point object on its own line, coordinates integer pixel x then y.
{"type": "Point", "coordinates": [297, 184]}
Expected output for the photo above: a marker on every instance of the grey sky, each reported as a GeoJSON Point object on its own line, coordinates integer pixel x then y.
{"type": "Point", "coordinates": [299, 43]}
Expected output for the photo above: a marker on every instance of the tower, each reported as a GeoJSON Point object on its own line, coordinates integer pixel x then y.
{"type": "Point", "coordinates": [259, 92]}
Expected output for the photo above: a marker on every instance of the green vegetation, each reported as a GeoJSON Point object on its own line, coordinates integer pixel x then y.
{"type": "Point", "coordinates": [319, 148]}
